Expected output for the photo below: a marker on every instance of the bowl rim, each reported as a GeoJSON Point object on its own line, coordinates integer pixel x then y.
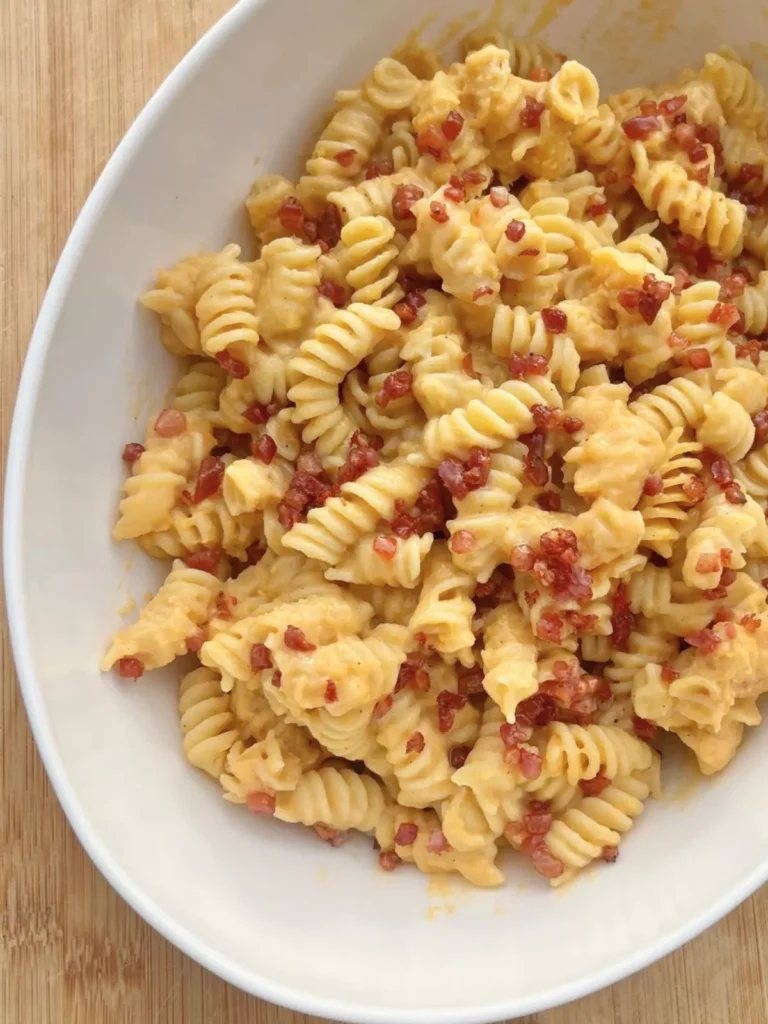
{"type": "Point", "coordinates": [248, 980]}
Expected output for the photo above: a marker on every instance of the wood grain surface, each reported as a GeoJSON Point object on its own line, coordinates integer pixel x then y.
{"type": "Point", "coordinates": [74, 75]}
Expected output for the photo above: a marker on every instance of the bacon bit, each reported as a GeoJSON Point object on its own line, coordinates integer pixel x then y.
{"type": "Point", "coordinates": [385, 547]}
{"type": "Point", "coordinates": [132, 452]}
{"type": "Point", "coordinates": [382, 707]}
{"type": "Point", "coordinates": [256, 413]}
{"type": "Point", "coordinates": [429, 513]}
{"type": "Point", "coordinates": [205, 559]}
{"type": "Point", "coordinates": [571, 424]}
{"type": "Point", "coordinates": [514, 733]}
{"type": "Point", "coordinates": [264, 449]}
{"type": "Point", "coordinates": [412, 674]}
{"type": "Point", "coordinates": [760, 421]}
{"type": "Point", "coordinates": [727, 577]}
{"type": "Point", "coordinates": [535, 469]}
{"type": "Point", "coordinates": [704, 639]}
{"type": "Point", "coordinates": [515, 230]}
{"type": "Point", "coordinates": [472, 176]}
{"type": "Point", "coordinates": [406, 196]}
{"type": "Point", "coordinates": [530, 763]}
{"type": "Point", "coordinates": [130, 668]}
{"type": "Point", "coordinates": [225, 605]}
{"type": "Point", "coordinates": [438, 212]}
{"type": "Point", "coordinates": [346, 157]}
{"type": "Point", "coordinates": [530, 116]}
{"type": "Point", "coordinates": [750, 349]}
{"type": "Point", "coordinates": [522, 558]}
{"type": "Point", "coordinates": [527, 366]}
{"type": "Point", "coordinates": [448, 703]}
{"type": "Point", "coordinates": [260, 802]}
{"type": "Point", "coordinates": [722, 472]}
{"type": "Point", "coordinates": [511, 755]}
{"type": "Point", "coordinates": [277, 679]}
{"type": "Point", "coordinates": [668, 674]}
{"type": "Point", "coordinates": [292, 216]}
{"type": "Point", "coordinates": [261, 657]}
{"type": "Point", "coordinates": [437, 843]}
{"type": "Point", "coordinates": [406, 312]}
{"type": "Point", "coordinates": [708, 564]}
{"type": "Point", "coordinates": [630, 298]}
{"type": "Point", "coordinates": [537, 821]}
{"type": "Point", "coordinates": [648, 308]}
{"type": "Point", "coordinates": [481, 293]}
{"type": "Point", "coordinates": [415, 744]}
{"type": "Point", "coordinates": [407, 834]}
{"type": "Point", "coordinates": [649, 108]}
{"type": "Point", "coordinates": [196, 640]}
{"type": "Point", "coordinates": [695, 490]}
{"type": "Point", "coordinates": [654, 484]}
{"type": "Point", "coordinates": [389, 860]}
{"type": "Point", "coordinates": [641, 128]}
{"type": "Point", "coordinates": [470, 682]}
{"type": "Point", "coordinates": [698, 358]}
{"type": "Point", "coordinates": [295, 640]}
{"type": "Point", "coordinates": [676, 343]}
{"type": "Point", "coordinates": [555, 320]}
{"type": "Point", "coordinates": [540, 709]}
{"type": "Point", "coordinates": [333, 836]}
{"type": "Point", "coordinates": [697, 153]}
{"type": "Point", "coordinates": [547, 865]}
{"type": "Point", "coordinates": [729, 631]}
{"type": "Point", "coordinates": [499, 197]}
{"type": "Point", "coordinates": [550, 628]}
{"type": "Point", "coordinates": [539, 75]}
{"type": "Point", "coordinates": [732, 286]}
{"type": "Point", "coordinates": [610, 854]}
{"type": "Point", "coordinates": [234, 367]}
{"type": "Point", "coordinates": [431, 141]}
{"type": "Point", "coordinates": [463, 541]}
{"type": "Point", "coordinates": [725, 556]}
{"type": "Point", "coordinates": [656, 289]}
{"type": "Point", "coordinates": [170, 423]}
{"type": "Point", "coordinates": [331, 692]}
{"type": "Point", "coordinates": [333, 291]}
{"type": "Point", "coordinates": [672, 106]}
{"type": "Point", "coordinates": [329, 226]}
{"type": "Point", "coordinates": [549, 501]}
{"type": "Point", "coordinates": [579, 622]}
{"type": "Point", "coordinates": [750, 622]}
{"type": "Point", "coordinates": [452, 125]}
{"type": "Point", "coordinates": [643, 729]}
{"type": "Point", "coordinates": [682, 281]}
{"type": "Point", "coordinates": [457, 756]}
{"type": "Point", "coordinates": [725, 314]}
{"type": "Point", "coordinates": [379, 167]}
{"type": "Point", "coordinates": [594, 787]}
{"type": "Point", "coordinates": [362, 456]}
{"type": "Point", "coordinates": [229, 441]}
{"type": "Point", "coordinates": [454, 193]}
{"type": "Point", "coordinates": [734, 495]}
{"type": "Point", "coordinates": [395, 386]}
{"type": "Point", "coordinates": [597, 206]}
{"type": "Point", "coordinates": [209, 479]}
{"type": "Point", "coordinates": [622, 619]}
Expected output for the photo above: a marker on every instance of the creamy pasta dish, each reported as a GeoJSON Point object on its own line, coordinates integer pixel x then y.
{"type": "Point", "coordinates": [462, 488]}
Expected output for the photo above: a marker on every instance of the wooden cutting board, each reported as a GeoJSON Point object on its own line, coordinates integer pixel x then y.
{"type": "Point", "coordinates": [74, 75]}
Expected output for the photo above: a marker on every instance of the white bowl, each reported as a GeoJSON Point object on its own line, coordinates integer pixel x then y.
{"type": "Point", "coordinates": [267, 906]}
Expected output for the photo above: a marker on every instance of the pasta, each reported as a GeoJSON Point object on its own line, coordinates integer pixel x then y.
{"type": "Point", "coordinates": [461, 491]}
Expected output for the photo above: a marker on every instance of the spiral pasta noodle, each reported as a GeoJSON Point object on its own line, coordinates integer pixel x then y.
{"type": "Point", "coordinates": [664, 187]}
